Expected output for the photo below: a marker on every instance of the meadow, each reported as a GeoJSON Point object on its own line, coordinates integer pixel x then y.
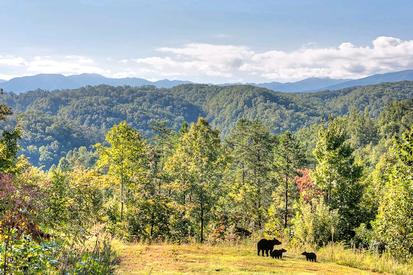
{"type": "Point", "coordinates": [241, 258]}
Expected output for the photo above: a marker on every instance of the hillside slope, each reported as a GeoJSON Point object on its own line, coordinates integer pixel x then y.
{"type": "Point", "coordinates": [57, 122]}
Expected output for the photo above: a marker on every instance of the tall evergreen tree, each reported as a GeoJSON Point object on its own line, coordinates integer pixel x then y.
{"type": "Point", "coordinates": [197, 165]}
{"type": "Point", "coordinates": [250, 147]}
{"type": "Point", "coordinates": [289, 157]}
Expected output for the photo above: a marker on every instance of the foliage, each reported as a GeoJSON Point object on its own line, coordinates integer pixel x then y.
{"type": "Point", "coordinates": [315, 223]}
{"type": "Point", "coordinates": [197, 165]}
{"type": "Point", "coordinates": [288, 160]}
{"type": "Point", "coordinates": [126, 162]}
{"type": "Point", "coordinates": [233, 175]}
{"type": "Point", "coordinates": [338, 176]}
{"type": "Point", "coordinates": [54, 123]}
{"type": "Point", "coordinates": [249, 176]}
{"type": "Point", "coordinates": [394, 221]}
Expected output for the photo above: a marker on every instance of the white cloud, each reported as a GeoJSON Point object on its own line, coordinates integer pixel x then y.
{"type": "Point", "coordinates": [12, 61]}
{"type": "Point", "coordinates": [65, 65]}
{"type": "Point", "coordinates": [238, 63]}
{"type": "Point", "coordinates": [204, 62]}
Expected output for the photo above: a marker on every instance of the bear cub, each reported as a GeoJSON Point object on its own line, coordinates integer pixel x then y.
{"type": "Point", "coordinates": [278, 253]}
{"type": "Point", "coordinates": [310, 256]}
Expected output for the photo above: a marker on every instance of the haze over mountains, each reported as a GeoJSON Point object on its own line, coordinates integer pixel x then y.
{"type": "Point", "coordinates": [306, 85]}
{"type": "Point", "coordinates": [58, 82]}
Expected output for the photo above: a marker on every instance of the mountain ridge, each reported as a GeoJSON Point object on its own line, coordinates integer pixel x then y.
{"type": "Point", "coordinates": [55, 122]}
{"type": "Point", "coordinates": [313, 84]}
{"type": "Point", "coordinates": [375, 79]}
{"type": "Point", "coordinates": [61, 82]}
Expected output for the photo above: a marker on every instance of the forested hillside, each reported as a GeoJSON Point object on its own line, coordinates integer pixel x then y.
{"type": "Point", "coordinates": [54, 123]}
{"type": "Point", "coordinates": [343, 179]}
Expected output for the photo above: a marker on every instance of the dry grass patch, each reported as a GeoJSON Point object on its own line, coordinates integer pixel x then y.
{"type": "Point", "coordinates": [195, 258]}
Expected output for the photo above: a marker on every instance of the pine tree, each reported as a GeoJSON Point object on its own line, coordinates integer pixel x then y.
{"type": "Point", "coordinates": [197, 165]}
{"type": "Point", "coordinates": [250, 147]}
{"type": "Point", "coordinates": [288, 159]}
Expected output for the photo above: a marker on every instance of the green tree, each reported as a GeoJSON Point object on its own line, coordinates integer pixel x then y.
{"type": "Point", "coordinates": [8, 142]}
{"type": "Point", "coordinates": [338, 176]}
{"type": "Point", "coordinates": [197, 165]}
{"type": "Point", "coordinates": [396, 118]}
{"type": "Point", "coordinates": [126, 160]}
{"type": "Point", "coordinates": [289, 157]}
{"type": "Point", "coordinates": [394, 222]}
{"type": "Point", "coordinates": [250, 146]}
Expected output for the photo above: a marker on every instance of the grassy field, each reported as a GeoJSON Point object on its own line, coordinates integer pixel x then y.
{"type": "Point", "coordinates": [240, 259]}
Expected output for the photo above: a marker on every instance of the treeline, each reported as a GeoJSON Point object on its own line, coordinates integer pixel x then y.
{"type": "Point", "coordinates": [54, 123]}
{"type": "Point", "coordinates": [346, 179]}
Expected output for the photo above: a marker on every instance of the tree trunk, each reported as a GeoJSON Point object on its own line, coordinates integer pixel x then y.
{"type": "Point", "coordinates": [152, 224]}
{"type": "Point", "coordinates": [202, 222]}
{"type": "Point", "coordinates": [121, 198]}
{"type": "Point", "coordinates": [286, 202]}
{"type": "Point", "coordinates": [258, 185]}
{"type": "Point", "coordinates": [6, 244]}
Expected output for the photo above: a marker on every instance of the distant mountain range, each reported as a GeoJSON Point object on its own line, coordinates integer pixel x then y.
{"type": "Point", "coordinates": [374, 79]}
{"type": "Point", "coordinates": [58, 82]}
{"type": "Point", "coordinates": [319, 84]}
{"type": "Point", "coordinates": [306, 85]}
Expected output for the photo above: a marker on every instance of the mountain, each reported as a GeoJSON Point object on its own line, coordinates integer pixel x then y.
{"type": "Point", "coordinates": [53, 123]}
{"type": "Point", "coordinates": [319, 84]}
{"type": "Point", "coordinates": [374, 79]}
{"type": "Point", "coordinates": [1, 80]}
{"type": "Point", "coordinates": [59, 82]}
{"type": "Point", "coordinates": [306, 85]}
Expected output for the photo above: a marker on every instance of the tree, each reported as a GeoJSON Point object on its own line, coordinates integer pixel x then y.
{"type": "Point", "coordinates": [396, 118]}
{"type": "Point", "coordinates": [338, 176]}
{"type": "Point", "coordinates": [8, 143]}
{"type": "Point", "coordinates": [125, 158]}
{"type": "Point", "coordinates": [250, 146]}
{"type": "Point", "coordinates": [197, 165]}
{"type": "Point", "coordinates": [288, 159]}
{"type": "Point", "coordinates": [394, 222]}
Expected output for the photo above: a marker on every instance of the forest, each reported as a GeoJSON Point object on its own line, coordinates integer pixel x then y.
{"type": "Point", "coordinates": [202, 164]}
{"type": "Point", "coordinates": [54, 123]}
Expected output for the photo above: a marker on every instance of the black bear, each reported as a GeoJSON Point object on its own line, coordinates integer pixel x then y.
{"type": "Point", "coordinates": [266, 245]}
{"type": "Point", "coordinates": [310, 256]}
{"type": "Point", "coordinates": [278, 253]}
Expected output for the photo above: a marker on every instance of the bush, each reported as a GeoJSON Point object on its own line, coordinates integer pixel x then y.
{"type": "Point", "coordinates": [29, 257]}
{"type": "Point", "coordinates": [314, 223]}
{"type": "Point", "coordinates": [99, 260]}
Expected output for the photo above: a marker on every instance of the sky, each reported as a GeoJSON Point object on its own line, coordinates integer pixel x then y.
{"type": "Point", "coordinates": [212, 41]}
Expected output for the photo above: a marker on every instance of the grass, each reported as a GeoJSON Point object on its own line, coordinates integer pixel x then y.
{"type": "Point", "coordinates": [364, 260]}
{"type": "Point", "coordinates": [235, 259]}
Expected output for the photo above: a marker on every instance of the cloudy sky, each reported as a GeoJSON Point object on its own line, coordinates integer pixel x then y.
{"type": "Point", "coordinates": [206, 41]}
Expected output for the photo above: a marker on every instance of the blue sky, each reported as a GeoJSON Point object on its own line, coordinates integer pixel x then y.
{"type": "Point", "coordinates": [208, 41]}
